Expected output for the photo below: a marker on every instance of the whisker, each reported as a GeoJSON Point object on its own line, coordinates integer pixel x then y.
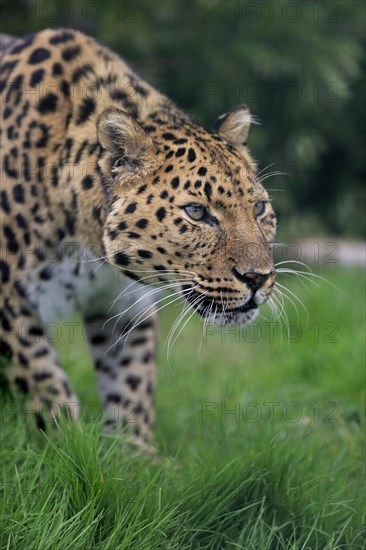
{"type": "Point", "coordinates": [265, 168]}
{"type": "Point", "coordinates": [308, 276]}
{"type": "Point", "coordinates": [167, 343]}
{"type": "Point", "coordinates": [181, 315]}
{"type": "Point", "coordinates": [163, 286]}
{"type": "Point", "coordinates": [292, 302]}
{"type": "Point", "coordinates": [303, 264]}
{"type": "Point", "coordinates": [274, 307]}
{"type": "Point", "coordinates": [176, 293]}
{"type": "Point", "coordinates": [205, 324]}
{"type": "Point", "coordinates": [141, 315]}
{"type": "Point", "coordinates": [301, 277]}
{"type": "Point", "coordinates": [278, 297]}
{"type": "Point", "coordinates": [177, 321]}
{"type": "Point", "coordinates": [120, 314]}
{"type": "Point", "coordinates": [196, 302]}
{"type": "Point", "coordinates": [270, 175]}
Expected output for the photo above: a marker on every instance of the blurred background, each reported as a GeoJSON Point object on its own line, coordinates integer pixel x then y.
{"type": "Point", "coordinates": [300, 66]}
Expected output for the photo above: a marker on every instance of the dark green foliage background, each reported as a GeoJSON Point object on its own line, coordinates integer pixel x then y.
{"type": "Point", "coordinates": [299, 65]}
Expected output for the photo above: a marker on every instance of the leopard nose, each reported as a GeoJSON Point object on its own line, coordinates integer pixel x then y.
{"type": "Point", "coordinates": [253, 279]}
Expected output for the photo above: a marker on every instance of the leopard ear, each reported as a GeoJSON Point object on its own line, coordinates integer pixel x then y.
{"type": "Point", "coordinates": [235, 125]}
{"type": "Point", "coordinates": [127, 149]}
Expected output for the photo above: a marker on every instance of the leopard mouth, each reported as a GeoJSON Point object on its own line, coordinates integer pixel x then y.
{"type": "Point", "coordinates": [215, 312]}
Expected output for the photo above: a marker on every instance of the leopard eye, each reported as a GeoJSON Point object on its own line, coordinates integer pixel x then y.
{"type": "Point", "coordinates": [259, 208]}
{"type": "Point", "coordinates": [196, 212]}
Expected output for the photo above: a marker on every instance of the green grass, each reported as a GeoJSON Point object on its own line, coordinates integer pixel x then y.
{"type": "Point", "coordinates": [283, 470]}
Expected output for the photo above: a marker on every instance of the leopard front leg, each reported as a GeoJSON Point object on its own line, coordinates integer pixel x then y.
{"type": "Point", "coordinates": [125, 364]}
{"type": "Point", "coordinates": [34, 371]}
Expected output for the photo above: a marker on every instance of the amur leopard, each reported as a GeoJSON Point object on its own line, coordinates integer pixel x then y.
{"type": "Point", "coordinates": [108, 188]}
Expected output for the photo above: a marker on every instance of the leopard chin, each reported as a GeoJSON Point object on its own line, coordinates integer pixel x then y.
{"type": "Point", "coordinates": [215, 313]}
{"type": "Point", "coordinates": [232, 317]}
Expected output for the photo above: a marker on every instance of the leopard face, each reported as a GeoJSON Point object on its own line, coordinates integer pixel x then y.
{"type": "Point", "coordinates": [185, 205]}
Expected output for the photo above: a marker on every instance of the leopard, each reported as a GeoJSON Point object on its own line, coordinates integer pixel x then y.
{"type": "Point", "coordinates": [110, 195]}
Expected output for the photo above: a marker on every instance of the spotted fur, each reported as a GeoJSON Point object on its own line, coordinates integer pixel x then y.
{"type": "Point", "coordinates": [104, 179]}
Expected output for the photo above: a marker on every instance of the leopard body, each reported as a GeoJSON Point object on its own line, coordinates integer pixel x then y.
{"type": "Point", "coordinates": [108, 188]}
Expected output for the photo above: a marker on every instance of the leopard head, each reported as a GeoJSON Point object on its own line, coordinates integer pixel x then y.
{"type": "Point", "coordinates": [184, 204]}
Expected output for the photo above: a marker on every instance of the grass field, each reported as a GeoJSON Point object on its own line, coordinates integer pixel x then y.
{"type": "Point", "coordinates": [264, 435]}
